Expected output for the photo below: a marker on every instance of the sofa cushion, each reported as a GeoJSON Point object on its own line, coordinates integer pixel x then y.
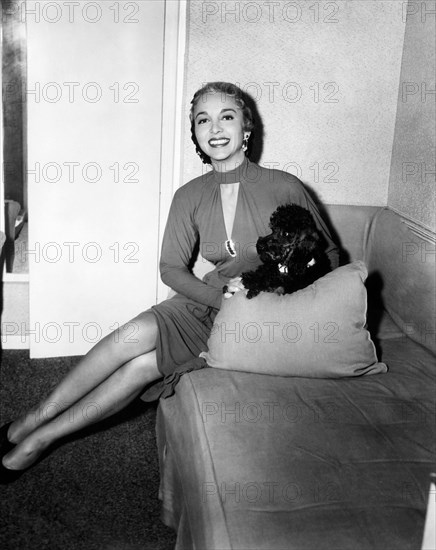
{"type": "Point", "coordinates": [404, 264]}
{"type": "Point", "coordinates": [318, 331]}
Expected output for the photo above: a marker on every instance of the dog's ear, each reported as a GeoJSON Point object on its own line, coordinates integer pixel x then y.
{"type": "Point", "coordinates": [300, 218]}
{"type": "Point", "coordinates": [280, 216]}
{"type": "Point", "coordinates": [307, 235]}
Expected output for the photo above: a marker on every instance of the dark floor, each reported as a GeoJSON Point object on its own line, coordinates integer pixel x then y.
{"type": "Point", "coordinates": [96, 491]}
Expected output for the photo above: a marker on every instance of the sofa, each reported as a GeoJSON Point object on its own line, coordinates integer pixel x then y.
{"type": "Point", "coordinates": [253, 461]}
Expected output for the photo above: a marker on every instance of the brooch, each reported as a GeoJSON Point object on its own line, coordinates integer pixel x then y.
{"type": "Point", "coordinates": [230, 247]}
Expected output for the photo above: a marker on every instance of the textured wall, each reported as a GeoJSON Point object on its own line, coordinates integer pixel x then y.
{"type": "Point", "coordinates": [412, 180]}
{"type": "Point", "coordinates": [325, 76]}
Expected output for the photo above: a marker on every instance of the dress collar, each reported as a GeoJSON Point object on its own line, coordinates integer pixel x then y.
{"type": "Point", "coordinates": [232, 176]}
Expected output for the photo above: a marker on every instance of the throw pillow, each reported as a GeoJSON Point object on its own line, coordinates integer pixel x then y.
{"type": "Point", "coordinates": [318, 331]}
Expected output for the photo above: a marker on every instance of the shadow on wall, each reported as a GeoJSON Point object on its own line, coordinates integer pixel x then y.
{"type": "Point", "coordinates": [255, 144]}
{"type": "Point", "coordinates": [344, 256]}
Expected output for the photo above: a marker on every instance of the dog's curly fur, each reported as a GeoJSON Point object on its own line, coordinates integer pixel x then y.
{"type": "Point", "coordinates": [293, 254]}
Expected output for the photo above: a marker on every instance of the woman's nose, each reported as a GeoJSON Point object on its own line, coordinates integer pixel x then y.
{"type": "Point", "coordinates": [216, 127]}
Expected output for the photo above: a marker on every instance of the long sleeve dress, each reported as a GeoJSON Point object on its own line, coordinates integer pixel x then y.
{"type": "Point", "coordinates": [196, 220]}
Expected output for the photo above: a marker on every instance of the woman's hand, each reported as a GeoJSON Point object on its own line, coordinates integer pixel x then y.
{"type": "Point", "coordinates": [234, 285]}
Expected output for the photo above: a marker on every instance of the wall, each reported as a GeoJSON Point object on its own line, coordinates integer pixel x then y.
{"type": "Point", "coordinates": [412, 178]}
{"type": "Point", "coordinates": [94, 134]}
{"type": "Point", "coordinates": [325, 76]}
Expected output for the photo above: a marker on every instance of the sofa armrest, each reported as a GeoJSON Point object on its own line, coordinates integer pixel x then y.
{"type": "Point", "coordinates": [404, 264]}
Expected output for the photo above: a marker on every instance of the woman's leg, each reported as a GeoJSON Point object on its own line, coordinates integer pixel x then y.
{"type": "Point", "coordinates": [112, 395]}
{"type": "Point", "coordinates": [135, 338]}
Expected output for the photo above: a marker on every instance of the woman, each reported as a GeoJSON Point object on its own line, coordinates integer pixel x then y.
{"type": "Point", "coordinates": [224, 211]}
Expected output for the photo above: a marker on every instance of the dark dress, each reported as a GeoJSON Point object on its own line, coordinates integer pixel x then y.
{"type": "Point", "coordinates": [196, 218]}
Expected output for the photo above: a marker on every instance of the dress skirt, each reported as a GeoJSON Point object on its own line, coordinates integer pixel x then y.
{"type": "Point", "coordinates": [184, 328]}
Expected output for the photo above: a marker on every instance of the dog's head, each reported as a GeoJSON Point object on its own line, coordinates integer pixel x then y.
{"type": "Point", "coordinates": [294, 240]}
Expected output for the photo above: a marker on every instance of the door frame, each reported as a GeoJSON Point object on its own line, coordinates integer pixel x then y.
{"type": "Point", "coordinates": [172, 115]}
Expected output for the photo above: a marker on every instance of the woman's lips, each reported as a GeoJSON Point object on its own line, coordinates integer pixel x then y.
{"type": "Point", "coordinates": [218, 142]}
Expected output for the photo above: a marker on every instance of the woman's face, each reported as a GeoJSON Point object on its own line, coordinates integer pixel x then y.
{"type": "Point", "coordinates": [218, 124]}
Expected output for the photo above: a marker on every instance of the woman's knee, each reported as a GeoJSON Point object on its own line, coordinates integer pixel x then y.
{"type": "Point", "coordinates": [141, 369]}
{"type": "Point", "coordinates": [137, 336]}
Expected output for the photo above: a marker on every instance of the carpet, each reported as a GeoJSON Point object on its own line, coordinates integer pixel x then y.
{"type": "Point", "coordinates": [97, 490]}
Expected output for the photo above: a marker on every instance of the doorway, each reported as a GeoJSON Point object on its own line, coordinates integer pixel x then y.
{"type": "Point", "coordinates": [99, 87]}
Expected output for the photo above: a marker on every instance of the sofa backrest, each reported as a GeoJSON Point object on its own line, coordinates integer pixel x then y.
{"type": "Point", "coordinates": [350, 226]}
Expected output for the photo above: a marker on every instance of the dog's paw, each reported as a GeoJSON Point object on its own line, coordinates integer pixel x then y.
{"type": "Point", "coordinates": [251, 294]}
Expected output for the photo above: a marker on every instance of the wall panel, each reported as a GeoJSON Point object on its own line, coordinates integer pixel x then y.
{"type": "Point", "coordinates": [94, 108]}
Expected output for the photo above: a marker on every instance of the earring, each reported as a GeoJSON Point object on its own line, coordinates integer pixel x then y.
{"type": "Point", "coordinates": [245, 143]}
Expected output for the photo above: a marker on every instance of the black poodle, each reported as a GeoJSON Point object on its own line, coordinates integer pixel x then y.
{"type": "Point", "coordinates": [293, 254]}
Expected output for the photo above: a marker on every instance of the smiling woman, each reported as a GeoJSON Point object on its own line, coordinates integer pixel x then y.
{"type": "Point", "coordinates": [224, 212]}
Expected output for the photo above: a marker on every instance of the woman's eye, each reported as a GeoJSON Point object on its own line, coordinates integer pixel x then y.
{"type": "Point", "coordinates": [228, 117]}
{"type": "Point", "coordinates": [201, 120]}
